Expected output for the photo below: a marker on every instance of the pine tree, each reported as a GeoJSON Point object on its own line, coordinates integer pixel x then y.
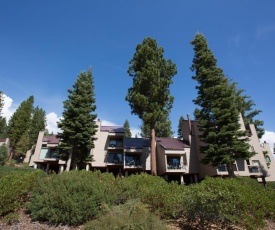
{"type": "Point", "coordinates": [38, 123]}
{"type": "Point", "coordinates": [3, 122]}
{"type": "Point", "coordinates": [245, 105]}
{"type": "Point", "coordinates": [180, 127]}
{"type": "Point", "coordinates": [127, 129]}
{"type": "Point", "coordinates": [19, 123]}
{"type": "Point", "coordinates": [22, 146]}
{"type": "Point", "coordinates": [218, 115]}
{"type": "Point", "coordinates": [149, 97]}
{"type": "Point", "coordinates": [78, 124]}
{"type": "Point", "coordinates": [163, 128]}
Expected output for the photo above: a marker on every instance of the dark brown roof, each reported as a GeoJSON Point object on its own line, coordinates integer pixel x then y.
{"type": "Point", "coordinates": [136, 143]}
{"type": "Point", "coordinates": [112, 129]}
{"type": "Point", "coordinates": [172, 143]}
{"type": "Point", "coordinates": [52, 139]}
{"type": "Point", "coordinates": [3, 139]}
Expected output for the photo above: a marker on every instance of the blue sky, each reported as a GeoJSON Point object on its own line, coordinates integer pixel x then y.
{"type": "Point", "coordinates": [45, 44]}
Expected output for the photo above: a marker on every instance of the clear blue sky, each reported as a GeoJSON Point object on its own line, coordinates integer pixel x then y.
{"type": "Point", "coordinates": [45, 44]}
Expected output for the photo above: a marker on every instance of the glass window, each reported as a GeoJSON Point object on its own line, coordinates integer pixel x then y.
{"type": "Point", "coordinates": [115, 143]}
{"type": "Point", "coordinates": [256, 162]}
{"type": "Point", "coordinates": [43, 153]}
{"type": "Point", "coordinates": [132, 160]}
{"type": "Point", "coordinates": [267, 159]}
{"type": "Point", "coordinates": [115, 158]}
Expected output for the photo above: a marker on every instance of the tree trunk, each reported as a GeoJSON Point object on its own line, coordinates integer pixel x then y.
{"type": "Point", "coordinates": [11, 153]}
{"type": "Point", "coordinates": [153, 154]}
{"type": "Point", "coordinates": [69, 161]}
{"type": "Point", "coordinates": [230, 170]}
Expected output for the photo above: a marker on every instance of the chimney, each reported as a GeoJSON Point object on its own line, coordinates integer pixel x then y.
{"type": "Point", "coordinates": [189, 124]}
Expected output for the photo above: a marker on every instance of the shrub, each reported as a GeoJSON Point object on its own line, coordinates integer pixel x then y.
{"type": "Point", "coordinates": [241, 201]}
{"type": "Point", "coordinates": [131, 215]}
{"type": "Point", "coordinates": [161, 197]}
{"type": "Point", "coordinates": [15, 187]}
{"type": "Point", "coordinates": [73, 197]}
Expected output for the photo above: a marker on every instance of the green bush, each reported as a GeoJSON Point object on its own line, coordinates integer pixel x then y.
{"type": "Point", "coordinates": [73, 197]}
{"type": "Point", "coordinates": [240, 202]}
{"type": "Point", "coordinates": [163, 198]}
{"type": "Point", "coordinates": [15, 187]}
{"type": "Point", "coordinates": [132, 215]}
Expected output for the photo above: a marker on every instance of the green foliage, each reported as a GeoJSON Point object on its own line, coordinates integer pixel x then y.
{"type": "Point", "coordinates": [3, 154]}
{"type": "Point", "coordinates": [161, 197]}
{"type": "Point", "coordinates": [218, 115]}
{"type": "Point", "coordinates": [240, 202]}
{"type": "Point", "coordinates": [163, 128]}
{"type": "Point", "coordinates": [20, 122]}
{"type": "Point", "coordinates": [38, 123]}
{"type": "Point", "coordinates": [127, 129]}
{"type": "Point", "coordinates": [22, 145]}
{"type": "Point", "coordinates": [152, 75]}
{"type": "Point", "coordinates": [245, 107]}
{"type": "Point", "coordinates": [132, 215]}
{"type": "Point", "coordinates": [180, 127]}
{"type": "Point", "coordinates": [78, 124]}
{"type": "Point", "coordinates": [15, 185]}
{"type": "Point", "coordinates": [73, 197]}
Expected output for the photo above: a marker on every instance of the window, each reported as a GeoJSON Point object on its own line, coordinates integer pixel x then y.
{"type": "Point", "coordinates": [256, 162]}
{"type": "Point", "coordinates": [132, 160]}
{"type": "Point", "coordinates": [173, 162]}
{"type": "Point", "coordinates": [267, 159]}
{"type": "Point", "coordinates": [115, 158]}
{"type": "Point", "coordinates": [115, 143]}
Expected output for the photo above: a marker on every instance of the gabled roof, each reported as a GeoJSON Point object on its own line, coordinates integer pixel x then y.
{"type": "Point", "coordinates": [112, 129]}
{"type": "Point", "coordinates": [136, 143]}
{"type": "Point", "coordinates": [52, 139]}
{"type": "Point", "coordinates": [172, 143]}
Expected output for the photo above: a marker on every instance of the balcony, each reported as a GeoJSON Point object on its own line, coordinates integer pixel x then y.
{"type": "Point", "coordinates": [254, 169]}
{"type": "Point", "coordinates": [132, 161]}
{"type": "Point", "coordinates": [114, 159]}
{"type": "Point", "coordinates": [176, 167]}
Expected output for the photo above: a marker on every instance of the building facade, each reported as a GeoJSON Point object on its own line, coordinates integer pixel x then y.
{"type": "Point", "coordinates": [177, 159]}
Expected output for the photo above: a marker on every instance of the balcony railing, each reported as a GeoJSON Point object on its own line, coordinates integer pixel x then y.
{"type": "Point", "coordinates": [176, 166]}
{"type": "Point", "coordinates": [134, 164]}
{"type": "Point", "coordinates": [114, 162]}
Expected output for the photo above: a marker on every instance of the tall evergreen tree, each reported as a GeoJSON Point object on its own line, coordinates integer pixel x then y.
{"type": "Point", "coordinates": [180, 127]}
{"type": "Point", "coordinates": [127, 129]}
{"type": "Point", "coordinates": [38, 123]}
{"type": "Point", "coordinates": [78, 124]}
{"type": "Point", "coordinates": [149, 97]}
{"type": "Point", "coordinates": [3, 154]}
{"type": "Point", "coordinates": [218, 115]}
{"type": "Point", "coordinates": [163, 128]}
{"type": "Point", "coordinates": [19, 123]}
{"type": "Point", "coordinates": [245, 107]}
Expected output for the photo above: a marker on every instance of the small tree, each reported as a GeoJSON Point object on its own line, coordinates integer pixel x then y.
{"type": "Point", "coordinates": [78, 124]}
{"type": "Point", "coordinates": [127, 129]}
{"type": "Point", "coordinates": [218, 115]}
{"type": "Point", "coordinates": [149, 97]}
{"type": "Point", "coordinates": [20, 123]}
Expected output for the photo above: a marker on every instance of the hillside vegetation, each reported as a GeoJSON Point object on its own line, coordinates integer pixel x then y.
{"type": "Point", "coordinates": [101, 201]}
